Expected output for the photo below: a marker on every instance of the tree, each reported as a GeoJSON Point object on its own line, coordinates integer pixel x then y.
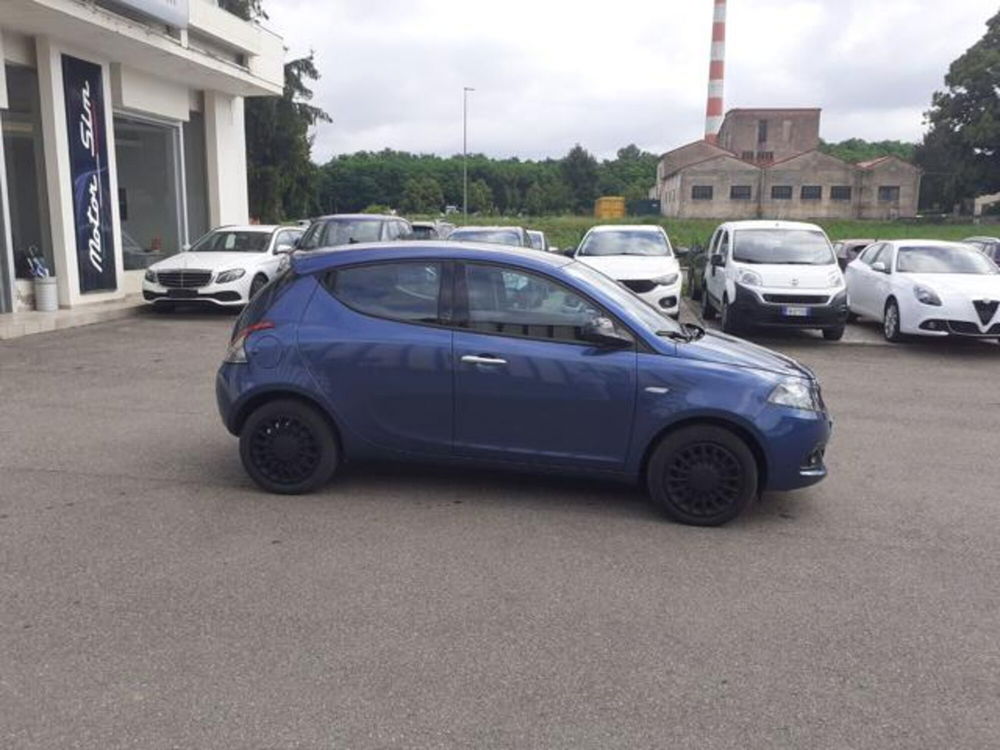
{"type": "Point", "coordinates": [961, 150]}
{"type": "Point", "coordinates": [480, 197]}
{"type": "Point", "coordinates": [534, 200]}
{"type": "Point", "coordinates": [579, 169]}
{"type": "Point", "coordinates": [282, 178]}
{"type": "Point", "coordinates": [856, 150]}
{"type": "Point", "coordinates": [422, 195]}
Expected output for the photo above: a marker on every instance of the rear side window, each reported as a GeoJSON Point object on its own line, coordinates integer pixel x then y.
{"type": "Point", "coordinates": [409, 291]}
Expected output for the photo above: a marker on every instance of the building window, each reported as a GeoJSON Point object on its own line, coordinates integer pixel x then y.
{"type": "Point", "coordinates": [702, 192]}
{"type": "Point", "coordinates": [781, 192]}
{"type": "Point", "coordinates": [840, 193]}
{"type": "Point", "coordinates": [765, 157]}
{"type": "Point", "coordinates": [888, 193]}
{"type": "Point", "coordinates": [812, 193]}
{"type": "Point", "coordinates": [762, 131]}
{"type": "Point", "coordinates": [741, 193]}
{"type": "Point", "coordinates": [748, 156]}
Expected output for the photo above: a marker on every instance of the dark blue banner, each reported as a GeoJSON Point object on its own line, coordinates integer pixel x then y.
{"type": "Point", "coordinates": [88, 159]}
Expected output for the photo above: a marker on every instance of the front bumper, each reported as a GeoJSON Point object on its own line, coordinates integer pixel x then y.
{"type": "Point", "coordinates": [788, 308]}
{"type": "Point", "coordinates": [222, 295]}
{"type": "Point", "coordinates": [953, 318]}
{"type": "Point", "coordinates": [796, 444]}
{"type": "Point", "coordinates": [667, 299]}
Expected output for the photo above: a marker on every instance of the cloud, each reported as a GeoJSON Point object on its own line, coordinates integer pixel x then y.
{"type": "Point", "coordinates": [549, 74]}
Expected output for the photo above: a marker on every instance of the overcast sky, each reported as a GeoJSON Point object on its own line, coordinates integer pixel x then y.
{"type": "Point", "coordinates": [551, 73]}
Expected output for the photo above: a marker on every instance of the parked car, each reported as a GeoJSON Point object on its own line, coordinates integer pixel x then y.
{"type": "Point", "coordinates": [226, 267]}
{"type": "Point", "coordinates": [640, 257]}
{"type": "Point", "coordinates": [538, 240]}
{"type": "Point", "coordinates": [989, 245]}
{"type": "Point", "coordinates": [847, 250]}
{"type": "Point", "coordinates": [424, 230]}
{"type": "Point", "coordinates": [350, 229]}
{"type": "Point", "coordinates": [926, 288]}
{"type": "Point", "coordinates": [780, 274]}
{"type": "Point", "coordinates": [514, 236]}
{"type": "Point", "coordinates": [449, 353]}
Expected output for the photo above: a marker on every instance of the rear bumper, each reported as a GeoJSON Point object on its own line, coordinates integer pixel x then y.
{"type": "Point", "coordinates": [749, 309]}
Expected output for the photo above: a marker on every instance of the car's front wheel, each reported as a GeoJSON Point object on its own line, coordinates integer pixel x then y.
{"type": "Point", "coordinates": [288, 447]}
{"type": "Point", "coordinates": [891, 322]}
{"type": "Point", "coordinates": [833, 334]}
{"type": "Point", "coordinates": [702, 475]}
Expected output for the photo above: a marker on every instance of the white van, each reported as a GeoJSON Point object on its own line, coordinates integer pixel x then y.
{"type": "Point", "coordinates": [780, 274]}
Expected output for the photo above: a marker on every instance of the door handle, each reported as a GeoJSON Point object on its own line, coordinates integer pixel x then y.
{"type": "Point", "coordinates": [479, 359]}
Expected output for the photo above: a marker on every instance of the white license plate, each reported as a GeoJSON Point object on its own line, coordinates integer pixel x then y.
{"type": "Point", "coordinates": [795, 312]}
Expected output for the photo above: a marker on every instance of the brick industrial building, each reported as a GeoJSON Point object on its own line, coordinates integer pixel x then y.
{"type": "Point", "coordinates": [766, 163]}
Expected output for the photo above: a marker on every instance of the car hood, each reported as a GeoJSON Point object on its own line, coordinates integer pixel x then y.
{"type": "Point", "coordinates": [729, 350]}
{"type": "Point", "coordinates": [208, 261]}
{"type": "Point", "coordinates": [620, 267]}
{"type": "Point", "coordinates": [965, 285]}
{"type": "Point", "coordinates": [783, 276]}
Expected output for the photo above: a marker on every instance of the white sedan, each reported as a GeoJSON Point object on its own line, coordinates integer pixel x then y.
{"type": "Point", "coordinates": [926, 288]}
{"type": "Point", "coordinates": [640, 257]}
{"type": "Point", "coordinates": [226, 267]}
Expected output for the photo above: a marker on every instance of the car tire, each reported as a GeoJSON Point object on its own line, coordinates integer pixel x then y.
{"type": "Point", "coordinates": [833, 334]}
{"type": "Point", "coordinates": [702, 475]}
{"type": "Point", "coordinates": [852, 317]}
{"type": "Point", "coordinates": [696, 291]}
{"type": "Point", "coordinates": [726, 320]}
{"type": "Point", "coordinates": [707, 311]}
{"type": "Point", "coordinates": [891, 322]}
{"type": "Point", "coordinates": [258, 283]}
{"type": "Point", "coordinates": [288, 447]}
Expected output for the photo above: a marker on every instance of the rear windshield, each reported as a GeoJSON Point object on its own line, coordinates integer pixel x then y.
{"type": "Point", "coordinates": [492, 236]}
{"type": "Point", "coordinates": [625, 242]}
{"type": "Point", "coordinates": [938, 259]}
{"type": "Point", "coordinates": [334, 232]}
{"type": "Point", "coordinates": [796, 247]}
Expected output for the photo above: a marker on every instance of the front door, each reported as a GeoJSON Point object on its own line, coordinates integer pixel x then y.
{"type": "Point", "coordinates": [716, 276]}
{"type": "Point", "coordinates": [527, 386]}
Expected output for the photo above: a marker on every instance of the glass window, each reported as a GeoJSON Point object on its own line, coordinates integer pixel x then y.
{"type": "Point", "coordinates": [391, 230]}
{"type": "Point", "coordinates": [195, 175]}
{"type": "Point", "coordinates": [342, 231]}
{"type": "Point", "coordinates": [408, 291]}
{"type": "Point", "coordinates": [781, 192]}
{"type": "Point", "coordinates": [888, 193]}
{"type": "Point", "coordinates": [868, 256]}
{"type": "Point", "coordinates": [516, 303]}
{"type": "Point", "coordinates": [741, 193]}
{"type": "Point", "coordinates": [944, 259]}
{"type": "Point", "coordinates": [644, 243]}
{"type": "Point", "coordinates": [232, 241]}
{"type": "Point", "coordinates": [25, 158]}
{"type": "Point", "coordinates": [762, 131]}
{"type": "Point", "coordinates": [702, 192]}
{"type": "Point", "coordinates": [803, 247]}
{"type": "Point", "coordinates": [840, 192]}
{"type": "Point", "coordinates": [812, 192]}
{"type": "Point", "coordinates": [286, 237]}
{"type": "Point", "coordinates": [491, 236]}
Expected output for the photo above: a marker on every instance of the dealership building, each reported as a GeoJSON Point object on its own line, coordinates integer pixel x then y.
{"type": "Point", "coordinates": [123, 137]}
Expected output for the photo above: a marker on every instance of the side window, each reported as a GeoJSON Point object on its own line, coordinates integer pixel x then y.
{"type": "Point", "coordinates": [868, 256]}
{"type": "Point", "coordinates": [408, 291]}
{"type": "Point", "coordinates": [405, 230]}
{"type": "Point", "coordinates": [284, 237]}
{"type": "Point", "coordinates": [311, 238]}
{"type": "Point", "coordinates": [724, 245]}
{"type": "Point", "coordinates": [880, 255]}
{"type": "Point", "coordinates": [516, 303]}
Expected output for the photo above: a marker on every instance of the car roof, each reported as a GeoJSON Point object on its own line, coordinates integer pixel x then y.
{"type": "Point", "coordinates": [312, 261]}
{"type": "Point", "coordinates": [626, 228]}
{"type": "Point", "coordinates": [357, 216]}
{"type": "Point", "coordinates": [928, 243]}
{"type": "Point", "coordinates": [857, 242]}
{"type": "Point", "coordinates": [250, 228]}
{"type": "Point", "coordinates": [490, 229]}
{"type": "Point", "coordinates": [768, 224]}
{"type": "Point", "coordinates": [981, 239]}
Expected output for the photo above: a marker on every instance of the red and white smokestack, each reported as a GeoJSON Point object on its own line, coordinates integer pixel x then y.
{"type": "Point", "coordinates": [716, 74]}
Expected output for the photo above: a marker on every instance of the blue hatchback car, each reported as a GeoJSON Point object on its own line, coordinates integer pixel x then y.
{"type": "Point", "coordinates": [452, 352]}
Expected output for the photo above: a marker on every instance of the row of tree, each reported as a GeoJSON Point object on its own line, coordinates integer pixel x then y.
{"type": "Point", "coordinates": [960, 155]}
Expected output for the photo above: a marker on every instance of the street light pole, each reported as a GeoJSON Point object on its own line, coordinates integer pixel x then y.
{"type": "Point", "coordinates": [465, 152]}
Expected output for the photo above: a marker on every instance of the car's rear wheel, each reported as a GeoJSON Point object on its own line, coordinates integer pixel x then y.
{"type": "Point", "coordinates": [833, 334]}
{"type": "Point", "coordinates": [891, 322]}
{"type": "Point", "coordinates": [702, 475]}
{"type": "Point", "coordinates": [288, 447]}
{"type": "Point", "coordinates": [707, 311]}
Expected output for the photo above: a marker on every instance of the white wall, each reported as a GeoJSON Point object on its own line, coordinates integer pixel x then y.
{"type": "Point", "coordinates": [226, 159]}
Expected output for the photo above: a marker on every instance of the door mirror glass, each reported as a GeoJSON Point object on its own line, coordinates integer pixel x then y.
{"type": "Point", "coordinates": [283, 248]}
{"type": "Point", "coordinates": [718, 261]}
{"type": "Point", "coordinates": [879, 267]}
{"type": "Point", "coordinates": [603, 332]}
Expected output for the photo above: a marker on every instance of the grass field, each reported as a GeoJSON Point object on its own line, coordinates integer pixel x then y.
{"type": "Point", "coordinates": [567, 231]}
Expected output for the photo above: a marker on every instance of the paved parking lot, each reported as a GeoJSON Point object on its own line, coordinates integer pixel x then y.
{"type": "Point", "coordinates": [151, 597]}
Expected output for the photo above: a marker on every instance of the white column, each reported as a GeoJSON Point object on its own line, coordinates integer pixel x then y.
{"type": "Point", "coordinates": [6, 242]}
{"type": "Point", "coordinates": [225, 154]}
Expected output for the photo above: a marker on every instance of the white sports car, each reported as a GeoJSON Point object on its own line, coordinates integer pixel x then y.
{"type": "Point", "coordinates": [926, 288]}
{"type": "Point", "coordinates": [226, 267]}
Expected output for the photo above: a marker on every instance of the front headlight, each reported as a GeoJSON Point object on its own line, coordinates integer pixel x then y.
{"type": "Point", "coordinates": [669, 280]}
{"type": "Point", "coordinates": [749, 278]}
{"type": "Point", "coordinates": [798, 394]}
{"type": "Point", "coordinates": [231, 275]}
{"type": "Point", "coordinates": [926, 296]}
{"type": "Point", "coordinates": [835, 279]}
{"type": "Point", "coordinates": [150, 276]}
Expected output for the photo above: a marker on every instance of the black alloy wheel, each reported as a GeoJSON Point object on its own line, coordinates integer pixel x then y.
{"type": "Point", "coordinates": [287, 447]}
{"type": "Point", "coordinates": [891, 322]}
{"type": "Point", "coordinates": [702, 475]}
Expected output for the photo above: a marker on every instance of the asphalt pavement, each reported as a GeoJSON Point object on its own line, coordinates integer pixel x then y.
{"type": "Point", "coordinates": [151, 597]}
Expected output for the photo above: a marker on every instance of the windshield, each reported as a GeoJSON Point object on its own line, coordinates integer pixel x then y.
{"type": "Point", "coordinates": [798, 247]}
{"type": "Point", "coordinates": [493, 236]}
{"type": "Point", "coordinates": [625, 242]}
{"type": "Point", "coordinates": [655, 321]}
{"type": "Point", "coordinates": [224, 241]}
{"type": "Point", "coordinates": [941, 259]}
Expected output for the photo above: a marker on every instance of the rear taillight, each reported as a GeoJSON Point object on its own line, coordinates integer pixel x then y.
{"type": "Point", "coordinates": [237, 353]}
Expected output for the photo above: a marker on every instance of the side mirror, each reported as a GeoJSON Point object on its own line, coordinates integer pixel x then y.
{"type": "Point", "coordinates": [283, 249]}
{"type": "Point", "coordinates": [602, 331]}
{"type": "Point", "coordinates": [718, 261]}
{"type": "Point", "coordinates": [879, 267]}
